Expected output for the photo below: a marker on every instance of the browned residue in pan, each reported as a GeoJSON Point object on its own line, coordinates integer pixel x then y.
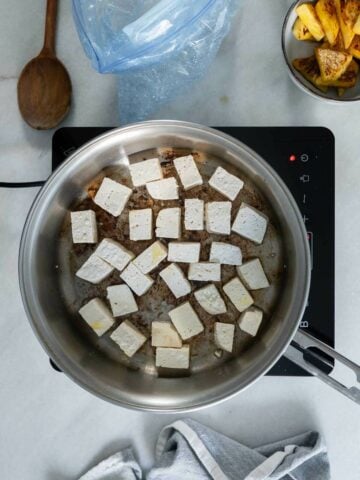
{"type": "Point", "coordinates": [159, 300]}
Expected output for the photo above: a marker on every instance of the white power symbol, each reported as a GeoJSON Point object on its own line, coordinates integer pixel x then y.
{"type": "Point", "coordinates": [304, 157]}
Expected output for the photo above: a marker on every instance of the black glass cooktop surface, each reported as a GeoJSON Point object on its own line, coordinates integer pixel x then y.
{"type": "Point", "coordinates": [305, 159]}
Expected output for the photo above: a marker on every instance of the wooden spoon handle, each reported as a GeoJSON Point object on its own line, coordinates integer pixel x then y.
{"type": "Point", "coordinates": [50, 28]}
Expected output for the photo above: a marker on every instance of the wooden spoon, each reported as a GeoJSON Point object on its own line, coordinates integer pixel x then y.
{"type": "Point", "coordinates": [44, 87]}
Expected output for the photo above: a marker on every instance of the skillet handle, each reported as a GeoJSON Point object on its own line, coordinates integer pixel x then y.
{"type": "Point", "coordinates": [301, 344]}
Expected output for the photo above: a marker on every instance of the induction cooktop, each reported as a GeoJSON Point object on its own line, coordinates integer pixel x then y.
{"type": "Point", "coordinates": [305, 159]}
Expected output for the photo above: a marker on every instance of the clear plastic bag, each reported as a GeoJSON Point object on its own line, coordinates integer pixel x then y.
{"type": "Point", "coordinates": [157, 47]}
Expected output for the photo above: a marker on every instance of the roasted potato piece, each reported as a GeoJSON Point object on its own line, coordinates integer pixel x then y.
{"type": "Point", "coordinates": [301, 32]}
{"type": "Point", "coordinates": [326, 12]}
{"type": "Point", "coordinates": [355, 47]}
{"type": "Point", "coordinates": [309, 68]}
{"type": "Point", "coordinates": [356, 28]}
{"type": "Point", "coordinates": [307, 14]}
{"type": "Point", "coordinates": [347, 79]}
{"type": "Point", "coordinates": [348, 12]}
{"type": "Point", "coordinates": [339, 44]}
{"type": "Point", "coordinates": [332, 63]}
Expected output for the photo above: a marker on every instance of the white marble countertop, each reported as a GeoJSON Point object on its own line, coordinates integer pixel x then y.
{"type": "Point", "coordinates": [50, 428]}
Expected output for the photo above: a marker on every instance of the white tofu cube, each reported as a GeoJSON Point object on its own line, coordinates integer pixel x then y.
{"type": "Point", "coordinates": [184, 252]}
{"type": "Point", "coordinates": [224, 336]}
{"type": "Point", "coordinates": [121, 299]}
{"type": "Point", "coordinates": [114, 253]}
{"type": "Point", "coordinates": [140, 224]}
{"type": "Point", "coordinates": [205, 272]}
{"type": "Point", "coordinates": [250, 321]}
{"type": "Point", "coordinates": [188, 172]}
{"type": "Point", "coordinates": [175, 279]}
{"type": "Point", "coordinates": [128, 338]}
{"type": "Point", "coordinates": [173, 357]}
{"type": "Point", "coordinates": [238, 294]}
{"type": "Point", "coordinates": [253, 275]}
{"type": "Point", "coordinates": [150, 258]}
{"type": "Point", "coordinates": [112, 196]}
{"type": "Point", "coordinates": [250, 223]}
{"type": "Point", "coordinates": [94, 270]}
{"type": "Point", "coordinates": [194, 214]}
{"type": "Point", "coordinates": [186, 321]}
{"type": "Point", "coordinates": [83, 226]}
{"type": "Point", "coordinates": [163, 334]}
{"type": "Point", "coordinates": [97, 316]}
{"type": "Point", "coordinates": [210, 300]}
{"type": "Point", "coordinates": [225, 253]}
{"type": "Point", "coordinates": [165, 189]}
{"type": "Point", "coordinates": [225, 183]}
{"type": "Point", "coordinates": [218, 217]}
{"type": "Point", "coordinates": [168, 223]}
{"type": "Point", "coordinates": [139, 282]}
{"type": "Point", "coordinates": [145, 172]}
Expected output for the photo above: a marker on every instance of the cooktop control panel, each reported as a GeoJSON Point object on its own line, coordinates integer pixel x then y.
{"type": "Point", "coordinates": [305, 159]}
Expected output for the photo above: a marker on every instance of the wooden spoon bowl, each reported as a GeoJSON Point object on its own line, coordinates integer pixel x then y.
{"type": "Point", "coordinates": [44, 87]}
{"type": "Point", "coordinates": [44, 92]}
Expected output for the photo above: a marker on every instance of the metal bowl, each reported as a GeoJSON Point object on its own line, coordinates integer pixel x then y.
{"type": "Point", "coordinates": [293, 48]}
{"type": "Point", "coordinates": [51, 318]}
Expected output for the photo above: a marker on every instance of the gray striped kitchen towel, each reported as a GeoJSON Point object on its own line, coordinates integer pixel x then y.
{"type": "Point", "coordinates": [187, 450]}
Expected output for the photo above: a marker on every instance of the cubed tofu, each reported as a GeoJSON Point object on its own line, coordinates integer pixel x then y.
{"type": "Point", "coordinates": [184, 252]}
{"type": "Point", "coordinates": [194, 214]}
{"type": "Point", "coordinates": [225, 253]}
{"type": "Point", "coordinates": [168, 223]}
{"type": "Point", "coordinates": [355, 48]}
{"type": "Point", "coordinates": [128, 338]}
{"type": "Point", "coordinates": [210, 300]}
{"type": "Point", "coordinates": [253, 275]}
{"type": "Point", "coordinates": [165, 189]}
{"type": "Point", "coordinates": [139, 282]}
{"type": "Point", "coordinates": [173, 357]}
{"type": "Point", "coordinates": [301, 32]}
{"type": "Point", "coordinates": [175, 279]}
{"type": "Point", "coordinates": [112, 196]}
{"type": "Point", "coordinates": [94, 270]}
{"type": "Point", "coordinates": [218, 217]}
{"type": "Point", "coordinates": [307, 14]}
{"type": "Point", "coordinates": [347, 13]}
{"type": "Point", "coordinates": [97, 316]}
{"type": "Point", "coordinates": [250, 321]}
{"type": "Point", "coordinates": [225, 183]}
{"type": "Point", "coordinates": [238, 294]}
{"type": "Point", "coordinates": [140, 224]}
{"type": "Point", "coordinates": [150, 258]}
{"type": "Point", "coordinates": [83, 226]}
{"type": "Point", "coordinates": [309, 69]}
{"type": "Point", "coordinates": [205, 272]}
{"type": "Point", "coordinates": [114, 253]}
{"type": "Point", "coordinates": [121, 299]}
{"type": "Point", "coordinates": [347, 79]}
{"type": "Point", "coordinates": [224, 336]}
{"type": "Point", "coordinates": [326, 12]}
{"type": "Point", "coordinates": [250, 223]}
{"type": "Point", "coordinates": [332, 63]}
{"type": "Point", "coordinates": [356, 28]}
{"type": "Point", "coordinates": [145, 172]}
{"type": "Point", "coordinates": [186, 321]}
{"type": "Point", "coordinates": [188, 172]}
{"type": "Point", "coordinates": [164, 334]}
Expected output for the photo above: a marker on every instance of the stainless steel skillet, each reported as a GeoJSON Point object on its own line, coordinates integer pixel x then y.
{"type": "Point", "coordinates": [50, 305]}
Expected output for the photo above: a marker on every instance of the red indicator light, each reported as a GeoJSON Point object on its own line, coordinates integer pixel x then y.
{"type": "Point", "coordinates": [292, 158]}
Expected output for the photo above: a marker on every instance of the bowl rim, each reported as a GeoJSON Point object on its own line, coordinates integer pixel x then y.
{"type": "Point", "coordinates": [302, 85]}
